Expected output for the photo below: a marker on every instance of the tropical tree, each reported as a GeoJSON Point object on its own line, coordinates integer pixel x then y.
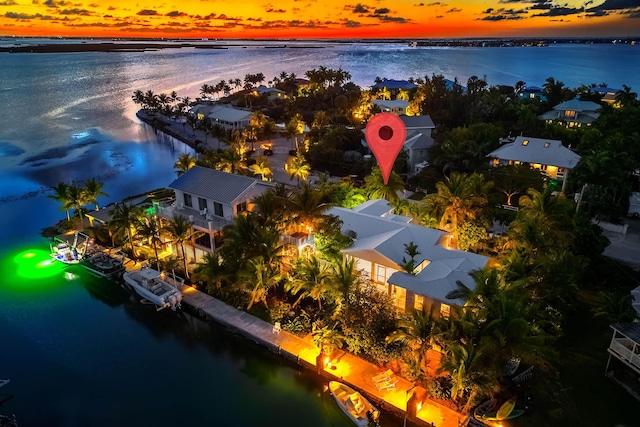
{"type": "Point", "coordinates": [150, 228]}
{"type": "Point", "coordinates": [297, 167]}
{"type": "Point", "coordinates": [257, 279]}
{"type": "Point", "coordinates": [306, 206]}
{"type": "Point", "coordinates": [124, 219]}
{"type": "Point", "coordinates": [327, 338]}
{"type": "Point", "coordinates": [92, 190]}
{"type": "Point", "coordinates": [185, 162]}
{"type": "Point", "coordinates": [77, 198]}
{"type": "Point", "coordinates": [376, 188]}
{"type": "Point", "coordinates": [346, 279]}
{"type": "Point", "coordinates": [213, 271]}
{"type": "Point", "coordinates": [262, 167]}
{"type": "Point", "coordinates": [181, 230]}
{"type": "Point", "coordinates": [61, 195]}
{"type": "Point", "coordinates": [625, 97]}
{"type": "Point", "coordinates": [311, 278]}
{"type": "Point", "coordinates": [416, 331]}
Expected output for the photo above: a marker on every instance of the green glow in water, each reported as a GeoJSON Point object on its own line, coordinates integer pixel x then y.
{"type": "Point", "coordinates": [33, 264]}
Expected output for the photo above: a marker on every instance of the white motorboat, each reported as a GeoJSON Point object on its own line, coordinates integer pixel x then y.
{"type": "Point", "coordinates": [151, 285]}
{"type": "Point", "coordinates": [103, 264]}
{"type": "Point", "coordinates": [352, 403]}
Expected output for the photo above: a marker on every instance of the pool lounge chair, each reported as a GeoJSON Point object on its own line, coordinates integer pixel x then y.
{"type": "Point", "coordinates": [388, 384]}
{"type": "Point", "coordinates": [383, 376]}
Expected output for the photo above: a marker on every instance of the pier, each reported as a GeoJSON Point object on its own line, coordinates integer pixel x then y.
{"type": "Point", "coordinates": [344, 367]}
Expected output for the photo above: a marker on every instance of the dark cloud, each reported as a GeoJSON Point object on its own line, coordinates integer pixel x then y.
{"type": "Point", "coordinates": [420, 4]}
{"type": "Point", "coordinates": [490, 10]}
{"type": "Point", "coordinates": [271, 10]}
{"type": "Point", "coordinates": [111, 8]}
{"type": "Point", "coordinates": [454, 10]}
{"type": "Point", "coordinates": [24, 16]}
{"type": "Point", "coordinates": [615, 5]}
{"type": "Point", "coordinates": [176, 13]}
{"type": "Point", "coordinates": [82, 12]}
{"type": "Point", "coordinates": [351, 24]}
{"type": "Point", "coordinates": [147, 12]}
{"type": "Point", "coordinates": [437, 3]}
{"type": "Point", "coordinates": [8, 3]}
{"type": "Point", "coordinates": [94, 5]}
{"type": "Point", "coordinates": [399, 19]}
{"type": "Point", "coordinates": [381, 11]}
{"type": "Point", "coordinates": [631, 13]}
{"type": "Point", "coordinates": [597, 14]}
{"type": "Point", "coordinates": [439, 16]}
{"type": "Point", "coordinates": [560, 11]}
{"type": "Point", "coordinates": [360, 8]}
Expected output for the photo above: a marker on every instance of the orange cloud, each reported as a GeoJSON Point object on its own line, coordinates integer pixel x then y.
{"type": "Point", "coordinates": [315, 19]}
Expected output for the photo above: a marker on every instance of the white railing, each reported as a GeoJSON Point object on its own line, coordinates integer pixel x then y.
{"type": "Point", "coordinates": [621, 348]}
{"type": "Point", "coordinates": [297, 241]}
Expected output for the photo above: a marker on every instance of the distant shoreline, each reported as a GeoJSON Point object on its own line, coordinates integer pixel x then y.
{"type": "Point", "coordinates": [22, 44]}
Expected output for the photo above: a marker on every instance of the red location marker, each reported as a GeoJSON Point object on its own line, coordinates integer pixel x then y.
{"type": "Point", "coordinates": [385, 134]}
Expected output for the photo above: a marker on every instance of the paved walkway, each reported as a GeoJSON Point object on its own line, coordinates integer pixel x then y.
{"type": "Point", "coordinates": [345, 367]}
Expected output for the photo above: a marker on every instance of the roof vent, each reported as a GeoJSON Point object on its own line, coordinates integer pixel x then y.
{"type": "Point", "coordinates": [525, 142]}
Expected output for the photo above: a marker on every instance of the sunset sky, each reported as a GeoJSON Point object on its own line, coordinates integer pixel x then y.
{"type": "Point", "coordinates": [319, 18]}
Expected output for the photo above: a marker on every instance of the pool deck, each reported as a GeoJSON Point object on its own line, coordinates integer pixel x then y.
{"type": "Point", "coordinates": [346, 368]}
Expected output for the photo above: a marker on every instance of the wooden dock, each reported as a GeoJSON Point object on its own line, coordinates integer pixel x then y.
{"type": "Point", "coordinates": [345, 367]}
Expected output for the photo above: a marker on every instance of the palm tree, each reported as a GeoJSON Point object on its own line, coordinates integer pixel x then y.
{"type": "Point", "coordinates": [455, 201]}
{"type": "Point", "coordinates": [297, 167]}
{"type": "Point", "coordinates": [258, 278]}
{"type": "Point", "coordinates": [327, 338]}
{"type": "Point", "coordinates": [124, 219]}
{"type": "Point", "coordinates": [61, 195]}
{"type": "Point", "coordinates": [181, 230]}
{"type": "Point", "coordinates": [92, 190]}
{"type": "Point", "coordinates": [346, 279]}
{"type": "Point", "coordinates": [77, 198]}
{"type": "Point", "coordinates": [311, 278]}
{"type": "Point", "coordinates": [213, 271]}
{"type": "Point", "coordinates": [262, 167]}
{"type": "Point", "coordinates": [417, 331]}
{"type": "Point", "coordinates": [306, 206]}
{"type": "Point", "coordinates": [150, 228]}
{"type": "Point", "coordinates": [625, 97]}
{"type": "Point", "coordinates": [185, 162]}
{"type": "Point", "coordinates": [376, 188]}
{"type": "Point", "coordinates": [229, 161]}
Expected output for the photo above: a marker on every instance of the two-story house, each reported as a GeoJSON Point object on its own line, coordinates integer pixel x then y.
{"type": "Point", "coordinates": [573, 113]}
{"type": "Point", "coordinates": [547, 155]}
{"type": "Point", "coordinates": [379, 253]}
{"type": "Point", "coordinates": [211, 199]}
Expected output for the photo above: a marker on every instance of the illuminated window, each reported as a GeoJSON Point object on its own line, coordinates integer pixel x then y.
{"type": "Point", "coordinates": [445, 310]}
{"type": "Point", "coordinates": [418, 302]}
{"type": "Point", "coordinates": [381, 273]}
{"type": "Point", "coordinates": [546, 145]}
{"type": "Point", "coordinates": [525, 142]}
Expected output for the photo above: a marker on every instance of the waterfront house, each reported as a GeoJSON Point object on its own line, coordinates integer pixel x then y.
{"type": "Point", "coordinates": [229, 118]}
{"type": "Point", "coordinates": [211, 199]}
{"type": "Point", "coordinates": [394, 85]}
{"type": "Point", "coordinates": [396, 106]}
{"type": "Point", "coordinates": [379, 253]}
{"type": "Point", "coordinates": [625, 345]}
{"type": "Point", "coordinates": [573, 113]}
{"type": "Point", "coordinates": [549, 156]}
{"type": "Point", "coordinates": [532, 92]}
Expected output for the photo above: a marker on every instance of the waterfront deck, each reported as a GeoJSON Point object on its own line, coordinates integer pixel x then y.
{"type": "Point", "coordinates": [346, 368]}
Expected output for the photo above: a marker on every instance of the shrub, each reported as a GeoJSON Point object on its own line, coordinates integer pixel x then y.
{"type": "Point", "coordinates": [440, 387]}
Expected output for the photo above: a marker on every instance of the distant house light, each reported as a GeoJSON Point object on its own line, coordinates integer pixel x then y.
{"type": "Point", "coordinates": [525, 142]}
{"type": "Point", "coordinates": [546, 145]}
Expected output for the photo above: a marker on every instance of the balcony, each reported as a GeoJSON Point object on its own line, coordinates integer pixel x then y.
{"type": "Point", "coordinates": [627, 351]}
{"type": "Point", "coordinates": [202, 222]}
{"type": "Point", "coordinates": [298, 239]}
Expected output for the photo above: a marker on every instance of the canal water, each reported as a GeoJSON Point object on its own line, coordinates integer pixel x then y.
{"type": "Point", "coordinates": [81, 351]}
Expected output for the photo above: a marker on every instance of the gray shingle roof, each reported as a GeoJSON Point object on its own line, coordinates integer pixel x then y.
{"type": "Point", "coordinates": [212, 184]}
{"type": "Point", "coordinates": [542, 151]}
{"type": "Point", "coordinates": [418, 122]}
{"type": "Point", "coordinates": [629, 330]}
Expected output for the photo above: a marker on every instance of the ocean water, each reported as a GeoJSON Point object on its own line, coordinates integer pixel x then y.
{"type": "Point", "coordinates": [79, 350]}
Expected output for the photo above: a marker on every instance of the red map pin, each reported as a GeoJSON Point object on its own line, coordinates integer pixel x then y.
{"type": "Point", "coordinates": [385, 134]}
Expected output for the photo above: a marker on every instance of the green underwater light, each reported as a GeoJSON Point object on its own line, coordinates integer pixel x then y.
{"type": "Point", "coordinates": [34, 264]}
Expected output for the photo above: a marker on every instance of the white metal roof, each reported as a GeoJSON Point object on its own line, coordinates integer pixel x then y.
{"type": "Point", "coordinates": [537, 150]}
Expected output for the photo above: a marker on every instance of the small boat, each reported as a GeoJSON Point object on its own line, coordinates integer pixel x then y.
{"type": "Point", "coordinates": [354, 405]}
{"type": "Point", "coordinates": [484, 408]}
{"type": "Point", "coordinates": [103, 264]}
{"type": "Point", "coordinates": [65, 253]}
{"type": "Point", "coordinates": [504, 412]}
{"type": "Point", "coordinates": [151, 285]}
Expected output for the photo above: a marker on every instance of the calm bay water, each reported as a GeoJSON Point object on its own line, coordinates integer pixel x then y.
{"type": "Point", "coordinates": [81, 351]}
